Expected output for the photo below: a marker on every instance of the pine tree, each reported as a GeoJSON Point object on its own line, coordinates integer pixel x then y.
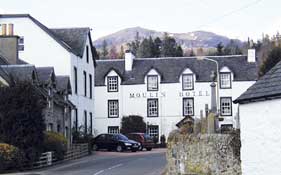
{"type": "Point", "coordinates": [121, 54]}
{"type": "Point", "coordinates": [232, 49]}
{"type": "Point", "coordinates": [157, 47]}
{"type": "Point", "coordinates": [145, 49]}
{"type": "Point", "coordinates": [104, 51]}
{"type": "Point", "coordinates": [179, 52]}
{"type": "Point", "coordinates": [169, 46]}
{"type": "Point", "coordinates": [134, 45]}
{"type": "Point", "coordinates": [220, 49]}
{"type": "Point", "coordinates": [274, 56]}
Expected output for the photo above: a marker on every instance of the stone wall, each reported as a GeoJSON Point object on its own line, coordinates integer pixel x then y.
{"type": "Point", "coordinates": [203, 154]}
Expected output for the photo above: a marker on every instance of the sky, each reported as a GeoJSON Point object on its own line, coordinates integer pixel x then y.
{"type": "Point", "coordinates": [238, 19]}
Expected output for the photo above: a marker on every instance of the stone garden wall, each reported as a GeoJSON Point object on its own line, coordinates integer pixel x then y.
{"type": "Point", "coordinates": [203, 154]}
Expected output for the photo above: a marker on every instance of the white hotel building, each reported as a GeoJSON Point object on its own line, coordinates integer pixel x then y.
{"type": "Point", "coordinates": [68, 50]}
{"type": "Point", "coordinates": [164, 90]}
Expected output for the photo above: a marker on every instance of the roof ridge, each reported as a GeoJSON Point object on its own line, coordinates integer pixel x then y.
{"type": "Point", "coordinates": [18, 65]}
{"type": "Point", "coordinates": [221, 56]}
{"type": "Point", "coordinates": [64, 28]}
{"type": "Point", "coordinates": [165, 58]}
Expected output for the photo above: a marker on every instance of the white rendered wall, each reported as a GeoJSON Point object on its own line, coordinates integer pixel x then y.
{"type": "Point", "coordinates": [41, 49]}
{"type": "Point", "coordinates": [83, 102]}
{"type": "Point", "coordinates": [261, 137]}
{"type": "Point", "coordinates": [170, 97]}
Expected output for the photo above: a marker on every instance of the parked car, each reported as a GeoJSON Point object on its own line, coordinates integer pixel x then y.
{"type": "Point", "coordinates": [117, 142]}
{"type": "Point", "coordinates": [144, 139]}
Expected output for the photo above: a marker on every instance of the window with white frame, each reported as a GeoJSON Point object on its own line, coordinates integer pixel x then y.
{"type": "Point", "coordinates": [226, 106]}
{"type": "Point", "coordinates": [153, 131]}
{"type": "Point", "coordinates": [152, 107]}
{"type": "Point", "coordinates": [152, 82]}
{"type": "Point", "coordinates": [113, 109]}
{"type": "Point", "coordinates": [113, 129]}
{"type": "Point", "coordinates": [225, 80]}
{"type": "Point", "coordinates": [112, 84]}
{"type": "Point", "coordinates": [187, 82]}
{"type": "Point", "coordinates": [188, 106]}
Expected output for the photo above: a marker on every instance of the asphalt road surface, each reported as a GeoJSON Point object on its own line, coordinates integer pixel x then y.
{"type": "Point", "coordinates": [111, 163]}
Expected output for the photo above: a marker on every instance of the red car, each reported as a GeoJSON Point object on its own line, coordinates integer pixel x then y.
{"type": "Point", "coordinates": [144, 139]}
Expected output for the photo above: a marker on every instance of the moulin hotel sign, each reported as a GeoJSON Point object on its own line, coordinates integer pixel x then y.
{"type": "Point", "coordinates": [163, 94]}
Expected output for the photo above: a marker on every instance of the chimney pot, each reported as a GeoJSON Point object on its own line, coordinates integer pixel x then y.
{"type": "Point", "coordinates": [251, 55]}
{"type": "Point", "coordinates": [129, 59]}
{"type": "Point", "coordinates": [11, 29]}
{"type": "Point", "coordinates": [4, 29]}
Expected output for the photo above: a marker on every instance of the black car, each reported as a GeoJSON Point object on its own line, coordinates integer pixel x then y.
{"type": "Point", "coordinates": [117, 142]}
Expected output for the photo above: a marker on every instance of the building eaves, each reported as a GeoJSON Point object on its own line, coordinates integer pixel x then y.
{"type": "Point", "coordinates": [266, 88]}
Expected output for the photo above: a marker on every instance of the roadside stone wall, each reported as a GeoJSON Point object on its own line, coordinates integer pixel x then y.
{"type": "Point", "coordinates": [203, 154]}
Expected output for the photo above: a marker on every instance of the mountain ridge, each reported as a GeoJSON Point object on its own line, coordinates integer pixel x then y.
{"type": "Point", "coordinates": [195, 39]}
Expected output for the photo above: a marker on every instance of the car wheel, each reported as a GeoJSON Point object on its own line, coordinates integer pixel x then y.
{"type": "Point", "coordinates": [141, 148]}
{"type": "Point", "coordinates": [148, 149]}
{"type": "Point", "coordinates": [95, 147]}
{"type": "Point", "coordinates": [119, 148]}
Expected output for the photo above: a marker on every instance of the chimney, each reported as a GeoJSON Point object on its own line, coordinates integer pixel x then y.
{"type": "Point", "coordinates": [251, 55]}
{"type": "Point", "coordinates": [11, 29]}
{"type": "Point", "coordinates": [4, 29]}
{"type": "Point", "coordinates": [129, 59]}
{"type": "Point", "coordinates": [9, 48]}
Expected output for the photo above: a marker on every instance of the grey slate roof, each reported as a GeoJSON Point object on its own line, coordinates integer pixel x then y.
{"type": "Point", "coordinates": [5, 75]}
{"type": "Point", "coordinates": [170, 69]}
{"type": "Point", "coordinates": [63, 83]}
{"type": "Point", "coordinates": [74, 37]}
{"type": "Point", "coordinates": [3, 60]}
{"type": "Point", "coordinates": [21, 72]}
{"type": "Point", "coordinates": [267, 87]}
{"type": "Point", "coordinates": [44, 74]}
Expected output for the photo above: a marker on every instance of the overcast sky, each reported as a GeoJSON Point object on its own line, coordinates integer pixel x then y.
{"type": "Point", "coordinates": [233, 18]}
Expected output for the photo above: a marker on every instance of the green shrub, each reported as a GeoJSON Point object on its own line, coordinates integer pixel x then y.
{"type": "Point", "coordinates": [10, 157]}
{"type": "Point", "coordinates": [21, 118]}
{"type": "Point", "coordinates": [55, 142]}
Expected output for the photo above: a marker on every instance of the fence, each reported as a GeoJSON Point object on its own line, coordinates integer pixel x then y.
{"type": "Point", "coordinates": [48, 158]}
{"type": "Point", "coordinates": [77, 151]}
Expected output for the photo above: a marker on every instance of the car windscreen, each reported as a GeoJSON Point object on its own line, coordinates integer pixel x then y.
{"type": "Point", "coordinates": [122, 137]}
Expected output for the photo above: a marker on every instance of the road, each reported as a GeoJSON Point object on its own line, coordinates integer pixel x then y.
{"type": "Point", "coordinates": [111, 163]}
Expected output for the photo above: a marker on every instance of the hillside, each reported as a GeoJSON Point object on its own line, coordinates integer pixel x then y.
{"type": "Point", "coordinates": [187, 40]}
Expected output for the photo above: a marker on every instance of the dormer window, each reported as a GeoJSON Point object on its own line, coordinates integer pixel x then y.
{"type": "Point", "coordinates": [187, 82]}
{"type": "Point", "coordinates": [225, 80]}
{"type": "Point", "coordinates": [112, 84]}
{"type": "Point", "coordinates": [152, 83]}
